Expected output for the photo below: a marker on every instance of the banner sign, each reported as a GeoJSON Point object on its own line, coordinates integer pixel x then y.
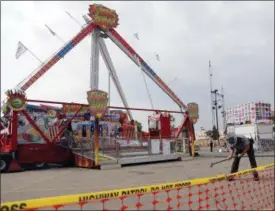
{"type": "Point", "coordinates": [193, 111]}
{"type": "Point", "coordinates": [71, 109]}
{"type": "Point", "coordinates": [16, 100]}
{"type": "Point", "coordinates": [98, 102]}
{"type": "Point", "coordinates": [104, 17]}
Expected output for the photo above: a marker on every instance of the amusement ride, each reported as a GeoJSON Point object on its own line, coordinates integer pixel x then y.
{"type": "Point", "coordinates": [39, 135]}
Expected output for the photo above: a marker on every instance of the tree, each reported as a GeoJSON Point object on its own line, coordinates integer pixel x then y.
{"type": "Point", "coordinates": [216, 133]}
{"type": "Point", "coordinates": [209, 133]}
{"type": "Point", "coordinates": [139, 126]}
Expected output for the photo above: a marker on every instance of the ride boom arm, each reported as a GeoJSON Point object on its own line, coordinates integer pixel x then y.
{"type": "Point", "coordinates": [60, 54]}
{"type": "Point", "coordinates": [130, 52]}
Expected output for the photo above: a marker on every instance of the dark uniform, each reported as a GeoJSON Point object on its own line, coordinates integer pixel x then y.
{"type": "Point", "coordinates": [238, 144]}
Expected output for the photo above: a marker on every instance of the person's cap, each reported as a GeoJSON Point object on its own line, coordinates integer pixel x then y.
{"type": "Point", "coordinates": [231, 139]}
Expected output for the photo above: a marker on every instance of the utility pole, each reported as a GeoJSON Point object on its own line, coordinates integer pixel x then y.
{"type": "Point", "coordinates": [216, 106]}
{"type": "Point", "coordinates": [223, 109]}
{"type": "Point", "coordinates": [211, 94]}
{"type": "Point", "coordinates": [215, 102]}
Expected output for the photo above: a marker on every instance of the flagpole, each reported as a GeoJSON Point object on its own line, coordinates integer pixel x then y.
{"type": "Point", "coordinates": [54, 34]}
{"type": "Point", "coordinates": [35, 56]}
{"type": "Point", "coordinates": [60, 39]}
{"type": "Point", "coordinates": [74, 19]}
{"type": "Point", "coordinates": [32, 53]}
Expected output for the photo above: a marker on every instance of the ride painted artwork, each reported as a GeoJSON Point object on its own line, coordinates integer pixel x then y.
{"type": "Point", "coordinates": [26, 132]}
{"type": "Point", "coordinates": [16, 100]}
{"type": "Point", "coordinates": [71, 109]}
{"type": "Point", "coordinates": [103, 17]}
{"type": "Point", "coordinates": [106, 129]}
{"type": "Point", "coordinates": [98, 102]}
{"type": "Point", "coordinates": [193, 111]}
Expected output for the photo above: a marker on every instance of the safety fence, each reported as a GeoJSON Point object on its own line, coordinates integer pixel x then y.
{"type": "Point", "coordinates": [118, 147]}
{"type": "Point", "coordinates": [215, 193]}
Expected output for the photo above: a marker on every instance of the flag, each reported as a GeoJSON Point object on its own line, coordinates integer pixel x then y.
{"type": "Point", "coordinates": [52, 32]}
{"type": "Point", "coordinates": [157, 57]}
{"type": "Point", "coordinates": [20, 50]}
{"type": "Point", "coordinates": [136, 36]}
{"type": "Point", "coordinates": [87, 20]}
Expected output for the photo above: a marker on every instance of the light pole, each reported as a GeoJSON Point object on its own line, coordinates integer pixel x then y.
{"type": "Point", "coordinates": [216, 106]}
{"type": "Point", "coordinates": [211, 92]}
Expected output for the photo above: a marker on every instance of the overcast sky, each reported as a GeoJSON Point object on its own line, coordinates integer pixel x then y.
{"type": "Point", "coordinates": [238, 38]}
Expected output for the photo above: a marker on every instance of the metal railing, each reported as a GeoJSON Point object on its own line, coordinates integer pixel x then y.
{"type": "Point", "coordinates": [118, 147]}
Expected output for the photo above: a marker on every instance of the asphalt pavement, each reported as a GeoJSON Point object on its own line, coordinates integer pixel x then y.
{"type": "Point", "coordinates": [64, 181]}
{"type": "Point", "coordinates": [205, 152]}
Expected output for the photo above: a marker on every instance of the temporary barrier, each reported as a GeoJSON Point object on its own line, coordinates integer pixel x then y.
{"type": "Point", "coordinates": [214, 193]}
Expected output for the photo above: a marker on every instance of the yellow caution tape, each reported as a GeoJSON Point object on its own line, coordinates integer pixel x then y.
{"type": "Point", "coordinates": [78, 198]}
{"type": "Point", "coordinates": [103, 158]}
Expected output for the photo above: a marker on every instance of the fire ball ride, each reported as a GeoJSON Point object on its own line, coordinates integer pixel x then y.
{"type": "Point", "coordinates": [74, 134]}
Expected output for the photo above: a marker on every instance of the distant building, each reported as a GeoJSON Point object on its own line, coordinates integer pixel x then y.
{"type": "Point", "coordinates": [249, 112]}
{"type": "Point", "coordinates": [201, 135]}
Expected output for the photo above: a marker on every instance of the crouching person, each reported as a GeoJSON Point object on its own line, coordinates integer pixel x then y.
{"type": "Point", "coordinates": [241, 146]}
